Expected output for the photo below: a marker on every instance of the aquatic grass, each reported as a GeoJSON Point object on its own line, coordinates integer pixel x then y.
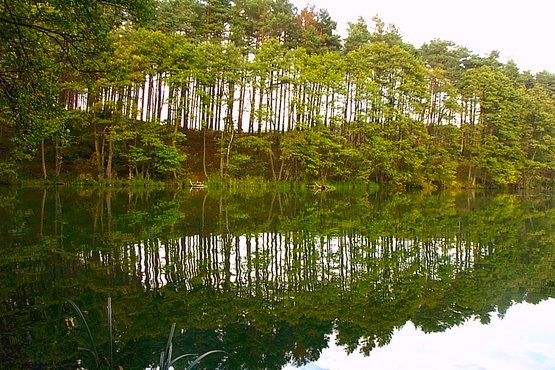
{"type": "Point", "coordinates": [166, 361]}
{"type": "Point", "coordinates": [93, 350]}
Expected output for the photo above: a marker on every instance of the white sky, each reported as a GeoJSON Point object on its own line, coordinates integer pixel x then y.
{"type": "Point", "coordinates": [520, 30]}
{"type": "Point", "coordinates": [524, 339]}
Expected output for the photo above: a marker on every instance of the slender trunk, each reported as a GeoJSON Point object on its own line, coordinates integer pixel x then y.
{"type": "Point", "coordinates": [204, 151]}
{"type": "Point", "coordinates": [280, 176]}
{"type": "Point", "coordinates": [143, 101]}
{"type": "Point", "coordinates": [280, 114]}
{"type": "Point", "coordinates": [160, 98]}
{"type": "Point", "coordinates": [178, 109]}
{"type": "Point", "coordinates": [260, 103]}
{"type": "Point", "coordinates": [222, 137]}
{"type": "Point", "coordinates": [172, 98]}
{"type": "Point", "coordinates": [241, 106]}
{"type": "Point", "coordinates": [229, 147]}
{"type": "Point", "coordinates": [97, 151]}
{"type": "Point", "coordinates": [251, 115]}
{"type": "Point", "coordinates": [272, 163]}
{"type": "Point", "coordinates": [186, 106]}
{"type": "Point", "coordinates": [149, 103]}
{"type": "Point", "coordinates": [59, 161]}
{"type": "Point", "coordinates": [109, 161]}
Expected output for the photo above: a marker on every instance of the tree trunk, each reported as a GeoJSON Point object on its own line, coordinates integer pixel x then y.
{"type": "Point", "coordinates": [59, 161]}
{"type": "Point", "coordinates": [272, 164]}
{"type": "Point", "coordinates": [222, 137]}
{"type": "Point", "coordinates": [43, 162]}
{"type": "Point", "coordinates": [109, 161]}
{"type": "Point", "coordinates": [204, 151]}
{"type": "Point", "coordinates": [241, 106]}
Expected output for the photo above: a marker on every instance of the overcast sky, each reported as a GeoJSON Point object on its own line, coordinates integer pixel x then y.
{"type": "Point", "coordinates": [520, 30]}
{"type": "Point", "coordinates": [523, 339]}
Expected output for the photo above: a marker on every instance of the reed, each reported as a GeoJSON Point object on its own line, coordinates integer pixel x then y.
{"type": "Point", "coordinates": [166, 361]}
{"type": "Point", "coordinates": [93, 348]}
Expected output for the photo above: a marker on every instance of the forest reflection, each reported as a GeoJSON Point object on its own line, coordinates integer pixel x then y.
{"type": "Point", "coordinates": [267, 277]}
{"type": "Point", "coordinates": [294, 261]}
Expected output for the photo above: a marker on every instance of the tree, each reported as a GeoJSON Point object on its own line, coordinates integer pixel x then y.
{"type": "Point", "coordinates": [316, 30]}
{"type": "Point", "coordinates": [179, 16]}
{"type": "Point", "coordinates": [38, 42]}
{"type": "Point", "coordinates": [357, 35]}
{"type": "Point", "coordinates": [313, 154]}
{"type": "Point", "coordinates": [255, 21]}
{"type": "Point", "coordinates": [492, 124]}
{"type": "Point", "coordinates": [389, 34]}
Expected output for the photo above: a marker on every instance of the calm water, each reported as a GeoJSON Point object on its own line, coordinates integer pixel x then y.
{"type": "Point", "coordinates": [336, 280]}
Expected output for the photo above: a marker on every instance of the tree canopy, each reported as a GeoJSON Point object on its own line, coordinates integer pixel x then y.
{"type": "Point", "coordinates": [107, 89]}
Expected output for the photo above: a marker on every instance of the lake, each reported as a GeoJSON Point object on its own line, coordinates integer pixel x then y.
{"type": "Point", "coordinates": [344, 279]}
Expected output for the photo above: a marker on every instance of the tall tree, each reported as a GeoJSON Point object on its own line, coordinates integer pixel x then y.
{"type": "Point", "coordinates": [38, 42]}
{"type": "Point", "coordinates": [316, 30]}
{"type": "Point", "coordinates": [357, 35]}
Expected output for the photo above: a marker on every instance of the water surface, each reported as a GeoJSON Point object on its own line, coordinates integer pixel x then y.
{"type": "Point", "coordinates": [275, 279]}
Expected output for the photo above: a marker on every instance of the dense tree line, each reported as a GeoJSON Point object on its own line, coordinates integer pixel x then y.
{"type": "Point", "coordinates": [275, 93]}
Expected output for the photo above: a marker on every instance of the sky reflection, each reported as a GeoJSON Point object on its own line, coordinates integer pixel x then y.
{"type": "Point", "coordinates": [523, 339]}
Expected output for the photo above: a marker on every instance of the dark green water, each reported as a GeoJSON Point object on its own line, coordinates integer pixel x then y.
{"type": "Point", "coordinates": [268, 278]}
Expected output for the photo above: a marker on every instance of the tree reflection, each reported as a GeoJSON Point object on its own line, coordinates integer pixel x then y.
{"type": "Point", "coordinates": [268, 277]}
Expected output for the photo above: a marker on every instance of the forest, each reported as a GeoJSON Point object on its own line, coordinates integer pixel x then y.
{"type": "Point", "coordinates": [172, 90]}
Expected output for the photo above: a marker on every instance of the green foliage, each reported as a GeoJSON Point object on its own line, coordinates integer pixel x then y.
{"type": "Point", "coordinates": [166, 357]}
{"type": "Point", "coordinates": [313, 154]}
{"type": "Point", "coordinates": [8, 172]}
{"type": "Point", "coordinates": [358, 35]}
{"type": "Point", "coordinates": [90, 93]}
{"type": "Point", "coordinates": [242, 271]}
{"type": "Point", "coordinates": [42, 41]}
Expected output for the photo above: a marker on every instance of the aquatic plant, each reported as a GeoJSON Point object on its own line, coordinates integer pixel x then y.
{"type": "Point", "coordinates": [166, 361]}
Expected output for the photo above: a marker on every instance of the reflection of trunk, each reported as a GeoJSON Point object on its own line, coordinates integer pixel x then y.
{"type": "Point", "coordinates": [271, 208]}
{"type": "Point", "coordinates": [227, 261]}
{"type": "Point", "coordinates": [43, 202]}
{"type": "Point", "coordinates": [108, 196]}
{"type": "Point", "coordinates": [101, 213]}
{"type": "Point", "coordinates": [249, 258]}
{"type": "Point", "coordinates": [203, 210]}
{"type": "Point", "coordinates": [95, 215]}
{"type": "Point", "coordinates": [280, 205]}
{"type": "Point", "coordinates": [43, 163]}
{"type": "Point", "coordinates": [227, 241]}
{"type": "Point", "coordinates": [58, 232]}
